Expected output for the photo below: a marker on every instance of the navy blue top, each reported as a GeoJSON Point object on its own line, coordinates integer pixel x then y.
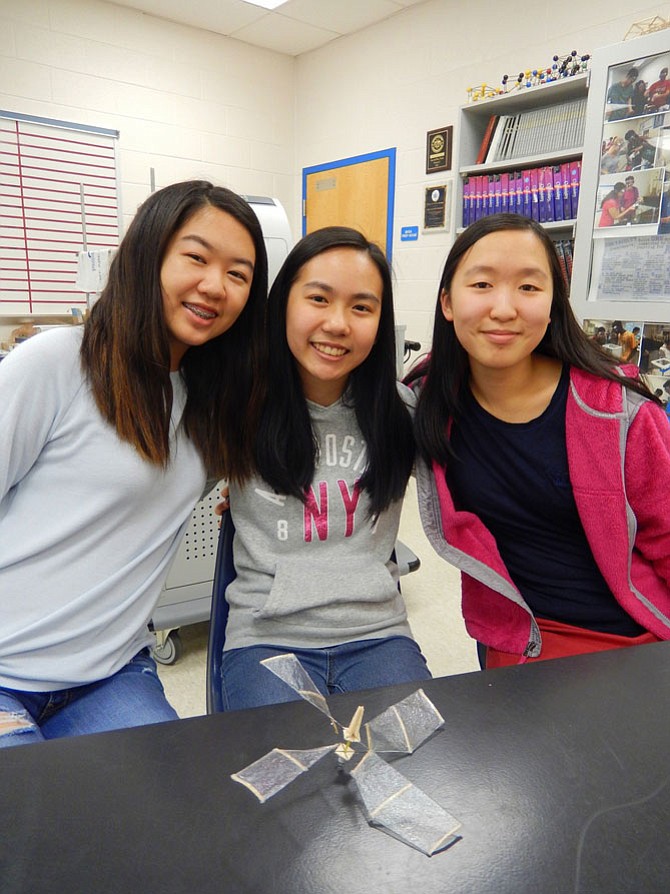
{"type": "Point", "coordinates": [515, 477]}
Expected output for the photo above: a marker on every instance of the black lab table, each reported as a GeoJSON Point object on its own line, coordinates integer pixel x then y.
{"type": "Point", "coordinates": [558, 772]}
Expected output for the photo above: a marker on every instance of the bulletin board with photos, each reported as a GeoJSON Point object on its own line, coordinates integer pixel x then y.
{"type": "Point", "coordinates": [621, 277]}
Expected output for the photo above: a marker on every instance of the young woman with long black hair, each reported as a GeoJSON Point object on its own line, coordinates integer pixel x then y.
{"type": "Point", "coordinates": [543, 464]}
{"type": "Point", "coordinates": [109, 433]}
{"type": "Point", "coordinates": [316, 527]}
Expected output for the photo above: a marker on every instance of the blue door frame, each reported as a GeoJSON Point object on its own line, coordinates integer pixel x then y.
{"type": "Point", "coordinates": [356, 159]}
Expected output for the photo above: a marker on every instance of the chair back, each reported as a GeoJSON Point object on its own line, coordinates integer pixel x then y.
{"type": "Point", "coordinates": [224, 574]}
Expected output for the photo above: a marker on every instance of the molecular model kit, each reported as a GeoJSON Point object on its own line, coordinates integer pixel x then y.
{"type": "Point", "coordinates": [561, 67]}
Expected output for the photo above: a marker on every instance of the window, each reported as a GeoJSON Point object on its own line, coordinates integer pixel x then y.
{"type": "Point", "coordinates": [58, 197]}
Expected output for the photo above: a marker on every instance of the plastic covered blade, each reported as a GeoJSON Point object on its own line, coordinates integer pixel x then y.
{"type": "Point", "coordinates": [404, 726]}
{"type": "Point", "coordinates": [397, 807]}
{"type": "Point", "coordinates": [276, 769]}
{"type": "Point", "coordinates": [288, 668]}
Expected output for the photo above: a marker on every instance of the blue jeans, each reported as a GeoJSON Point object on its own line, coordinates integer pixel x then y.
{"type": "Point", "coordinates": [364, 664]}
{"type": "Point", "coordinates": [133, 696]}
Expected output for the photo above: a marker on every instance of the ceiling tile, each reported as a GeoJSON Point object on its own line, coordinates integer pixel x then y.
{"type": "Point", "coordinates": [296, 27]}
{"type": "Point", "coordinates": [275, 32]}
{"type": "Point", "coordinates": [220, 16]}
{"type": "Point", "coordinates": [345, 16]}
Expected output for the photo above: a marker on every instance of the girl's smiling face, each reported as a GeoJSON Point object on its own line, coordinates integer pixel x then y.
{"type": "Point", "coordinates": [206, 277]}
{"type": "Point", "coordinates": [500, 300]}
{"type": "Point", "coordinates": [332, 318]}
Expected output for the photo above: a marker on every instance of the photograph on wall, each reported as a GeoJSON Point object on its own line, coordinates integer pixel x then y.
{"type": "Point", "coordinates": [638, 87]}
{"type": "Point", "coordinates": [664, 219]}
{"type": "Point", "coordinates": [630, 262]}
{"type": "Point", "coordinates": [646, 345]}
{"type": "Point", "coordinates": [620, 338]}
{"type": "Point", "coordinates": [636, 145]}
{"type": "Point", "coordinates": [629, 200]}
{"type": "Point", "coordinates": [655, 361]}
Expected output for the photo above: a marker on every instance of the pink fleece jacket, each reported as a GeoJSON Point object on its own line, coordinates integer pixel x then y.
{"type": "Point", "coordinates": [618, 447]}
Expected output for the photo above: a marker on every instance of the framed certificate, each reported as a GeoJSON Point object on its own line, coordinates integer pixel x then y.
{"type": "Point", "coordinates": [436, 208]}
{"type": "Point", "coordinates": [438, 149]}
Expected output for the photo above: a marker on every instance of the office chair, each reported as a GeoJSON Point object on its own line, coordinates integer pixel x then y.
{"type": "Point", "coordinates": [224, 574]}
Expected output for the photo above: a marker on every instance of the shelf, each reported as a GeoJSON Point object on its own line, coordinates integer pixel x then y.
{"type": "Point", "coordinates": [474, 120]}
{"type": "Point", "coordinates": [530, 161]}
{"type": "Point", "coordinates": [530, 97]}
{"type": "Point", "coordinates": [559, 224]}
{"type": "Point", "coordinates": [549, 225]}
{"type": "Point", "coordinates": [8, 319]}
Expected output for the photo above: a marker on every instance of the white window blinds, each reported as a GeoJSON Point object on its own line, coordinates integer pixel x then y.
{"type": "Point", "coordinates": [58, 197]}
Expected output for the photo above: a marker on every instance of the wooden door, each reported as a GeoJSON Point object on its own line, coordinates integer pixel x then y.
{"type": "Point", "coordinates": [354, 192]}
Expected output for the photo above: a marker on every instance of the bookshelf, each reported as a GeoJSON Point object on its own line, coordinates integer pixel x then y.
{"type": "Point", "coordinates": [474, 119]}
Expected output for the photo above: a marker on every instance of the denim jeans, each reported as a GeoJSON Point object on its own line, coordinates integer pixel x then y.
{"type": "Point", "coordinates": [133, 696]}
{"type": "Point", "coordinates": [364, 664]}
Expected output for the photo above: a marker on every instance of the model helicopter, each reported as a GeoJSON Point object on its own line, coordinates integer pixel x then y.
{"type": "Point", "coordinates": [391, 802]}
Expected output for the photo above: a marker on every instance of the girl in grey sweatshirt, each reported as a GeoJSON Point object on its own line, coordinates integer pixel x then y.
{"type": "Point", "coordinates": [317, 524]}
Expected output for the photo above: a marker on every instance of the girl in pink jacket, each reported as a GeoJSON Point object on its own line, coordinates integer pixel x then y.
{"type": "Point", "coordinates": [544, 466]}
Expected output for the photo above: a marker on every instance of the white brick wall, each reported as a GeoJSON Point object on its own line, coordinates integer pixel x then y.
{"type": "Point", "coordinates": [190, 103]}
{"type": "Point", "coordinates": [390, 84]}
{"type": "Point", "coordinates": [186, 102]}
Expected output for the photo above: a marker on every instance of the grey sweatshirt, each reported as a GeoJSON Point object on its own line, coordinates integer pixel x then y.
{"type": "Point", "coordinates": [316, 574]}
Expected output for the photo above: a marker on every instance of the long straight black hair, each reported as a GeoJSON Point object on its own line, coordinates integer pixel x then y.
{"type": "Point", "coordinates": [446, 370]}
{"type": "Point", "coordinates": [125, 351]}
{"type": "Point", "coordinates": [285, 451]}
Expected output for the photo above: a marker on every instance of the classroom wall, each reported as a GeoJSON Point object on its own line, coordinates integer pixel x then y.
{"type": "Point", "coordinates": [190, 103]}
{"type": "Point", "coordinates": [391, 83]}
{"type": "Point", "coordinates": [187, 102]}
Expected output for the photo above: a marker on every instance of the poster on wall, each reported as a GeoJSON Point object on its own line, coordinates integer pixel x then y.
{"type": "Point", "coordinates": [631, 224]}
{"type": "Point", "coordinates": [632, 195]}
{"type": "Point", "coordinates": [632, 269]}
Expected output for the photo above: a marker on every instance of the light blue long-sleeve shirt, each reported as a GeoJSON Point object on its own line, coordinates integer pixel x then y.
{"type": "Point", "coordinates": [87, 527]}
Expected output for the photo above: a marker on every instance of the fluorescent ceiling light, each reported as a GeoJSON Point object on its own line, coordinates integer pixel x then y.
{"type": "Point", "coordinates": [266, 4]}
